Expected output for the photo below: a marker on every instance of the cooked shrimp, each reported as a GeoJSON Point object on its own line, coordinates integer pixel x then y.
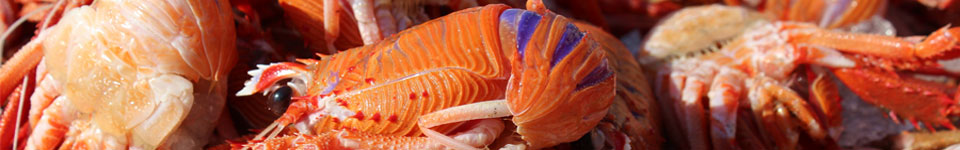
{"type": "Point", "coordinates": [133, 74]}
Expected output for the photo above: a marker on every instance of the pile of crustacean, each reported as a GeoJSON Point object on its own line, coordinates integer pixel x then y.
{"type": "Point", "coordinates": [479, 74]}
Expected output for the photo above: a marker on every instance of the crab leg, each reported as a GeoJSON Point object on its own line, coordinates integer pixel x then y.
{"type": "Point", "coordinates": [766, 95]}
{"type": "Point", "coordinates": [724, 101]}
{"type": "Point", "coordinates": [941, 43]}
{"type": "Point", "coordinates": [671, 118]}
{"type": "Point", "coordinates": [366, 20]}
{"type": "Point", "coordinates": [11, 119]}
{"type": "Point", "coordinates": [686, 91]}
{"type": "Point", "coordinates": [886, 88]}
{"type": "Point", "coordinates": [331, 22]}
{"type": "Point", "coordinates": [689, 86]}
{"type": "Point", "coordinates": [18, 66]}
{"type": "Point", "coordinates": [785, 124]}
{"type": "Point", "coordinates": [825, 99]}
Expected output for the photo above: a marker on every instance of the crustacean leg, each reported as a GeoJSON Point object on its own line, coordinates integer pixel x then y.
{"type": "Point", "coordinates": [894, 88]}
{"type": "Point", "coordinates": [22, 115]}
{"type": "Point", "coordinates": [12, 117]}
{"type": "Point", "coordinates": [941, 44]}
{"type": "Point", "coordinates": [773, 104]}
{"type": "Point", "coordinates": [725, 93]}
{"type": "Point", "coordinates": [481, 110]}
{"type": "Point", "coordinates": [14, 69]}
{"type": "Point", "coordinates": [52, 126]}
{"type": "Point", "coordinates": [705, 93]}
{"type": "Point", "coordinates": [331, 22]}
{"type": "Point", "coordinates": [33, 96]}
{"type": "Point", "coordinates": [686, 90]}
{"type": "Point", "coordinates": [825, 98]}
{"type": "Point", "coordinates": [38, 96]}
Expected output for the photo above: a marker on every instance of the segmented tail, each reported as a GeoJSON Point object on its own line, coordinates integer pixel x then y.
{"type": "Point", "coordinates": [561, 83]}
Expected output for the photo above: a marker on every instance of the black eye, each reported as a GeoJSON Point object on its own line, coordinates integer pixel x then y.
{"type": "Point", "coordinates": [280, 99]}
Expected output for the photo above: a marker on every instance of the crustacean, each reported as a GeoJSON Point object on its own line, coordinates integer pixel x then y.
{"type": "Point", "coordinates": [121, 74]}
{"type": "Point", "coordinates": [742, 91]}
{"type": "Point", "coordinates": [272, 31]}
{"type": "Point", "coordinates": [449, 80]}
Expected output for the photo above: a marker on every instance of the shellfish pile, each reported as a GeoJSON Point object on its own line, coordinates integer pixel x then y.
{"type": "Point", "coordinates": [479, 74]}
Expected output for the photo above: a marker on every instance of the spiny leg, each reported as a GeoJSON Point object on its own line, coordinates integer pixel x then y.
{"type": "Point", "coordinates": [20, 65]}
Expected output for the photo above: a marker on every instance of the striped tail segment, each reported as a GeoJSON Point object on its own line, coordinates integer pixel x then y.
{"type": "Point", "coordinates": [558, 73]}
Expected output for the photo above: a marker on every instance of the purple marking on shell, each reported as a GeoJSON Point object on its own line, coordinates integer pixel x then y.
{"type": "Point", "coordinates": [527, 25]}
{"type": "Point", "coordinates": [331, 86]}
{"type": "Point", "coordinates": [600, 73]}
{"type": "Point", "coordinates": [570, 38]}
{"type": "Point", "coordinates": [509, 17]}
